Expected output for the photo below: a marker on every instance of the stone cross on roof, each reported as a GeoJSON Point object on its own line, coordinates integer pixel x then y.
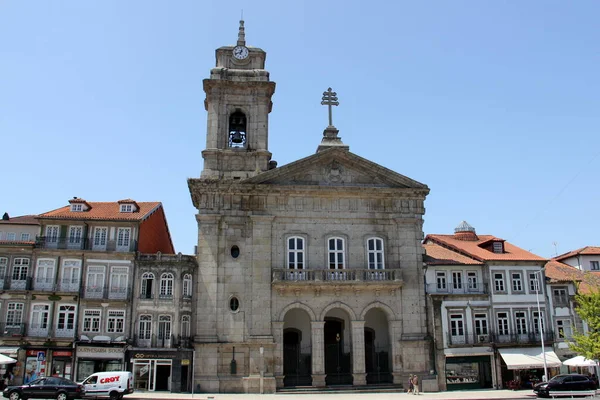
{"type": "Point", "coordinates": [330, 99]}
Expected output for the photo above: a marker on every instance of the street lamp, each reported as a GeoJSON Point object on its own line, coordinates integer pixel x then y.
{"type": "Point", "coordinates": [540, 324]}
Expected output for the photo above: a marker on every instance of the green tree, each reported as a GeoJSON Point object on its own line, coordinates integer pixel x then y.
{"type": "Point", "coordinates": [588, 308]}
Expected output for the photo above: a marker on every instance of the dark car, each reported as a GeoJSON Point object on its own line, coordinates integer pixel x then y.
{"type": "Point", "coordinates": [46, 388]}
{"type": "Point", "coordinates": [564, 383]}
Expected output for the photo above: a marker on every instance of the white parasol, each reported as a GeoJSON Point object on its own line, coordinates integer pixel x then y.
{"type": "Point", "coordinates": [580, 361]}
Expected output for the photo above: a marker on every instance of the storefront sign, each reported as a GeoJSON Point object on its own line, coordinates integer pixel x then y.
{"type": "Point", "coordinates": [99, 352]}
{"type": "Point", "coordinates": [35, 365]}
{"type": "Point", "coordinates": [147, 356]}
{"type": "Point", "coordinates": [62, 353]}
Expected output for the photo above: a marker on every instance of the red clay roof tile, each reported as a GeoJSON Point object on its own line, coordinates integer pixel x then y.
{"type": "Point", "coordinates": [438, 255]}
{"type": "Point", "coordinates": [103, 211]}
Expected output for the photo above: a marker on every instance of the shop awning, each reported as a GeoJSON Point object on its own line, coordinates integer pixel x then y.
{"type": "Point", "coordinates": [9, 351]}
{"type": "Point", "coordinates": [529, 358]}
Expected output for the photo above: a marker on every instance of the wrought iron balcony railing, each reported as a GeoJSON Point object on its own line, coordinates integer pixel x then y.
{"type": "Point", "coordinates": [450, 288]}
{"type": "Point", "coordinates": [494, 338]}
{"type": "Point", "coordinates": [106, 292]}
{"type": "Point", "coordinates": [160, 342]}
{"type": "Point", "coordinates": [67, 243]}
{"type": "Point", "coordinates": [12, 329]}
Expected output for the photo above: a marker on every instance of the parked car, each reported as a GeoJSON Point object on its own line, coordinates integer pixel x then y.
{"type": "Point", "coordinates": [564, 383]}
{"type": "Point", "coordinates": [46, 388]}
{"type": "Point", "coordinates": [113, 384]}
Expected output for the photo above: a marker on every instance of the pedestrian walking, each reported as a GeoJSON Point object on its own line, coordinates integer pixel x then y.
{"type": "Point", "coordinates": [410, 384]}
{"type": "Point", "coordinates": [415, 383]}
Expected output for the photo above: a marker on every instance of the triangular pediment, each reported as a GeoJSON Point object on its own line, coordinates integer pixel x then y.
{"type": "Point", "coordinates": [335, 167]}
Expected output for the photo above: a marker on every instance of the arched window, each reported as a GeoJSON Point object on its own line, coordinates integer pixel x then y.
{"type": "Point", "coordinates": [145, 328]}
{"type": "Point", "coordinates": [375, 254]}
{"type": "Point", "coordinates": [187, 285]}
{"type": "Point", "coordinates": [185, 326]}
{"type": "Point", "coordinates": [295, 252]}
{"type": "Point", "coordinates": [336, 253]}
{"type": "Point", "coordinates": [166, 285]}
{"type": "Point", "coordinates": [164, 328]}
{"type": "Point", "coordinates": [237, 130]}
{"type": "Point", "coordinates": [147, 282]}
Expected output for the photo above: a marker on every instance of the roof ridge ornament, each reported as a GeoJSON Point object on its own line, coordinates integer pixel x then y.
{"type": "Point", "coordinates": [330, 134]}
{"type": "Point", "coordinates": [241, 32]}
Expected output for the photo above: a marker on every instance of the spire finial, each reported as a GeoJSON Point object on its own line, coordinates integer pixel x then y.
{"type": "Point", "coordinates": [241, 33]}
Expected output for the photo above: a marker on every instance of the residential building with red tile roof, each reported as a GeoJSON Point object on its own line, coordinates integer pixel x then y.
{"type": "Point", "coordinates": [484, 293]}
{"type": "Point", "coordinates": [586, 258]}
{"type": "Point", "coordinates": [72, 292]}
{"type": "Point", "coordinates": [18, 230]}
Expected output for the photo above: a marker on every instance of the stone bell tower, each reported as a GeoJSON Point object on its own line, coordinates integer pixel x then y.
{"type": "Point", "coordinates": [238, 102]}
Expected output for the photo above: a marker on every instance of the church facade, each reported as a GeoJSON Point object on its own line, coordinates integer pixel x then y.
{"type": "Point", "coordinates": [310, 274]}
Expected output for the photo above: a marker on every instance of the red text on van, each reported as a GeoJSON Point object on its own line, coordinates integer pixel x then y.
{"type": "Point", "coordinates": [111, 379]}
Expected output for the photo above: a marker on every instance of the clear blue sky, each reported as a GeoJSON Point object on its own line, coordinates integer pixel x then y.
{"type": "Point", "coordinates": [495, 105]}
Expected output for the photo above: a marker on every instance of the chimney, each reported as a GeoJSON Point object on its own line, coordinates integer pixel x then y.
{"type": "Point", "coordinates": [5, 217]}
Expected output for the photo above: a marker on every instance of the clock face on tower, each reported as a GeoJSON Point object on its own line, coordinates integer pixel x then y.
{"type": "Point", "coordinates": [240, 52]}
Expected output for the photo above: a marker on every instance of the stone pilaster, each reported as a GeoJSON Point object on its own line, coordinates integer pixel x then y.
{"type": "Point", "coordinates": [277, 328]}
{"type": "Point", "coordinates": [358, 352]}
{"type": "Point", "coordinates": [395, 328]}
{"type": "Point", "coordinates": [260, 324]}
{"type": "Point", "coordinates": [318, 352]}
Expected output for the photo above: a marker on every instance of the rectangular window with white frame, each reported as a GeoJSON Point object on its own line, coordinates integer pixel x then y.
{"type": "Point", "coordinates": [92, 320]}
{"type": "Point", "coordinates": [595, 265]}
{"type": "Point", "coordinates": [502, 323]}
{"type": "Point", "coordinates": [118, 282]}
{"type": "Point", "coordinates": [534, 283]}
{"type": "Point", "coordinates": [560, 296]}
{"type": "Point", "coordinates": [521, 322]}
{"type": "Point", "coordinates": [126, 208]}
{"type": "Point", "coordinates": [564, 329]}
{"type": "Point", "coordinates": [25, 237]}
{"type": "Point", "coordinates": [538, 322]}
{"type": "Point", "coordinates": [95, 282]}
{"type": "Point", "coordinates": [517, 282]}
{"type": "Point", "coordinates": [14, 315]}
{"type": "Point", "coordinates": [440, 277]}
{"type": "Point", "coordinates": [457, 282]}
{"type": "Point", "coordinates": [457, 329]}
{"type": "Point", "coordinates": [115, 321]}
{"type": "Point", "coordinates": [295, 252]}
{"type": "Point", "coordinates": [40, 315]}
{"type": "Point", "coordinates": [123, 239]}
{"type": "Point", "coordinates": [100, 238]}
{"type": "Point", "coordinates": [499, 285]}
{"type": "Point", "coordinates": [11, 237]}
{"type": "Point", "coordinates": [472, 281]}
{"type": "Point", "coordinates": [375, 253]}
{"type": "Point", "coordinates": [481, 325]}
{"type": "Point", "coordinates": [3, 269]}
{"type": "Point", "coordinates": [44, 274]}
{"type": "Point", "coordinates": [65, 321]}
{"type": "Point", "coordinates": [52, 234]}
{"type": "Point", "coordinates": [75, 237]}
{"type": "Point", "coordinates": [337, 259]}
{"type": "Point", "coordinates": [71, 275]}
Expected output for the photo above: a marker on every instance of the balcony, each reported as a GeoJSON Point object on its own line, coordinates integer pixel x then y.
{"type": "Point", "coordinates": [352, 278]}
{"type": "Point", "coordinates": [69, 285]}
{"type": "Point", "coordinates": [38, 330]}
{"type": "Point", "coordinates": [492, 338]}
{"type": "Point", "coordinates": [44, 284]}
{"type": "Point", "coordinates": [435, 289]}
{"type": "Point", "coordinates": [46, 242]}
{"type": "Point", "coordinates": [20, 284]}
{"type": "Point", "coordinates": [157, 342]}
{"type": "Point", "coordinates": [106, 292]}
{"type": "Point", "coordinates": [527, 338]}
{"type": "Point", "coordinates": [12, 330]}
{"type": "Point", "coordinates": [65, 332]}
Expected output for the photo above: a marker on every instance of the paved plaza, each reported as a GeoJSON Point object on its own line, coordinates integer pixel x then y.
{"type": "Point", "coordinates": [471, 395]}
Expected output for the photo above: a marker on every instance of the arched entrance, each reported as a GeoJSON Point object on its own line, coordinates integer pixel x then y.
{"type": "Point", "coordinates": [338, 348]}
{"type": "Point", "coordinates": [297, 359]}
{"type": "Point", "coordinates": [377, 347]}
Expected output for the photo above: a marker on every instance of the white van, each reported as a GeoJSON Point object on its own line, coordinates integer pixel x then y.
{"type": "Point", "coordinates": [113, 384]}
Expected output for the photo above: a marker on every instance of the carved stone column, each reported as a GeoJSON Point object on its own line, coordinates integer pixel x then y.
{"type": "Point", "coordinates": [278, 352]}
{"type": "Point", "coordinates": [358, 353]}
{"type": "Point", "coordinates": [318, 352]}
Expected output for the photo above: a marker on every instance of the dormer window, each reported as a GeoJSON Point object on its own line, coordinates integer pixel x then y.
{"type": "Point", "coordinates": [126, 208]}
{"type": "Point", "coordinates": [77, 207]}
{"type": "Point", "coordinates": [498, 247]}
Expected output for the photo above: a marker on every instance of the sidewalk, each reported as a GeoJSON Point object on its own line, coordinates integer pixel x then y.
{"type": "Point", "coordinates": [458, 395]}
